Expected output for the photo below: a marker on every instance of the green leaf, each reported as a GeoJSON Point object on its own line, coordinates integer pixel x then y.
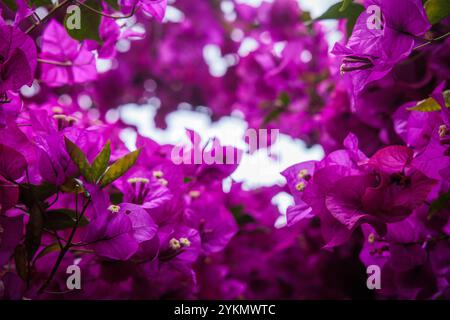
{"type": "Point", "coordinates": [61, 219]}
{"type": "Point", "coordinates": [79, 159]}
{"type": "Point", "coordinates": [40, 3]}
{"type": "Point", "coordinates": [115, 196]}
{"type": "Point", "coordinates": [20, 258]}
{"type": "Point", "coordinates": [284, 99]}
{"type": "Point", "coordinates": [101, 162]}
{"type": "Point", "coordinates": [437, 10]}
{"type": "Point", "coordinates": [187, 179]}
{"type": "Point", "coordinates": [427, 105]}
{"type": "Point", "coordinates": [240, 215]}
{"type": "Point", "coordinates": [281, 105]}
{"type": "Point", "coordinates": [72, 185]}
{"type": "Point", "coordinates": [351, 13]}
{"type": "Point", "coordinates": [446, 94]}
{"type": "Point", "coordinates": [90, 22]}
{"type": "Point", "coordinates": [34, 231]}
{"type": "Point", "coordinates": [11, 4]}
{"type": "Point", "coordinates": [442, 202]}
{"type": "Point", "coordinates": [345, 5]}
{"type": "Point", "coordinates": [113, 4]}
{"type": "Point", "coordinates": [48, 249]}
{"type": "Point", "coordinates": [30, 193]}
{"type": "Point", "coordinates": [430, 104]}
{"type": "Point", "coordinates": [119, 167]}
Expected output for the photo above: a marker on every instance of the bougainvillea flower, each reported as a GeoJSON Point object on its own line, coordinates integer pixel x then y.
{"type": "Point", "coordinates": [347, 189]}
{"type": "Point", "coordinates": [297, 178]}
{"type": "Point", "coordinates": [401, 187]}
{"type": "Point", "coordinates": [12, 163]}
{"type": "Point", "coordinates": [169, 221]}
{"type": "Point", "coordinates": [215, 225]}
{"type": "Point", "coordinates": [371, 53]}
{"type": "Point", "coordinates": [13, 287]}
{"type": "Point", "coordinates": [64, 60]}
{"type": "Point", "coordinates": [109, 32]}
{"type": "Point", "coordinates": [10, 230]}
{"type": "Point", "coordinates": [10, 109]}
{"type": "Point", "coordinates": [179, 244]}
{"type": "Point", "coordinates": [154, 8]}
{"type": "Point", "coordinates": [117, 231]}
{"type": "Point", "coordinates": [147, 189]}
{"type": "Point", "coordinates": [12, 167]}
{"type": "Point", "coordinates": [23, 11]}
{"type": "Point", "coordinates": [18, 59]}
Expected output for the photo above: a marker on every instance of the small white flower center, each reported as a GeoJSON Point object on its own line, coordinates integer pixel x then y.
{"type": "Point", "coordinates": [158, 174]}
{"type": "Point", "coordinates": [185, 242]}
{"type": "Point", "coordinates": [57, 109]}
{"type": "Point", "coordinates": [137, 180]}
{"type": "Point", "coordinates": [114, 208]}
{"type": "Point", "coordinates": [174, 244]}
{"type": "Point", "coordinates": [163, 182]}
{"type": "Point", "coordinates": [300, 186]}
{"type": "Point", "coordinates": [194, 194]}
{"type": "Point", "coordinates": [302, 173]}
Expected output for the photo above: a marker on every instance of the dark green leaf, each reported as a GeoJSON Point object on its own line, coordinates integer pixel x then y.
{"type": "Point", "coordinates": [113, 4]}
{"type": "Point", "coordinates": [34, 231]}
{"type": "Point", "coordinates": [272, 115]}
{"type": "Point", "coordinates": [280, 106]}
{"type": "Point", "coordinates": [119, 167]}
{"type": "Point", "coordinates": [437, 10]}
{"type": "Point", "coordinates": [30, 194]}
{"type": "Point", "coordinates": [20, 258]}
{"type": "Point", "coordinates": [40, 3]}
{"type": "Point", "coordinates": [116, 197]}
{"type": "Point", "coordinates": [11, 4]}
{"type": "Point", "coordinates": [345, 5]}
{"type": "Point", "coordinates": [48, 249]}
{"type": "Point", "coordinates": [61, 219]}
{"type": "Point", "coordinates": [442, 202]}
{"type": "Point", "coordinates": [351, 13]}
{"type": "Point", "coordinates": [284, 99]}
{"type": "Point", "coordinates": [240, 215]}
{"type": "Point", "coordinates": [446, 94]}
{"type": "Point", "coordinates": [101, 162]}
{"type": "Point", "coordinates": [79, 159]}
{"type": "Point", "coordinates": [90, 22]}
{"type": "Point", "coordinates": [187, 179]}
{"type": "Point", "coordinates": [72, 185]}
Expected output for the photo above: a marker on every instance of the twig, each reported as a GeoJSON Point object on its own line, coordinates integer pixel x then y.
{"type": "Point", "coordinates": [105, 14]}
{"type": "Point", "coordinates": [64, 250]}
{"type": "Point", "coordinates": [432, 40]}
{"type": "Point", "coordinates": [56, 63]}
{"type": "Point", "coordinates": [51, 13]}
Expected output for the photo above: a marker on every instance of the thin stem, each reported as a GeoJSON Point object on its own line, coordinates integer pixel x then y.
{"type": "Point", "coordinates": [51, 13]}
{"type": "Point", "coordinates": [108, 15]}
{"type": "Point", "coordinates": [54, 201]}
{"type": "Point", "coordinates": [64, 250]}
{"type": "Point", "coordinates": [82, 251]}
{"type": "Point", "coordinates": [57, 237]}
{"type": "Point", "coordinates": [432, 40]}
{"type": "Point", "coordinates": [56, 63]}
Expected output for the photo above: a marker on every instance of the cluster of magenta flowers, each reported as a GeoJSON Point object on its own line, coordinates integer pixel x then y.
{"type": "Point", "coordinates": [140, 226]}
